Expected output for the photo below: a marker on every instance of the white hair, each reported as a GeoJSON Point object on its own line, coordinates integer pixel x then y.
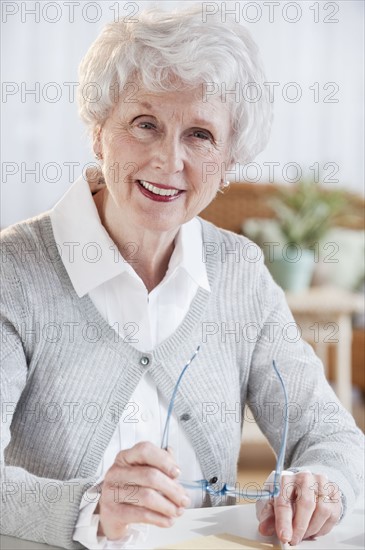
{"type": "Point", "coordinates": [160, 46]}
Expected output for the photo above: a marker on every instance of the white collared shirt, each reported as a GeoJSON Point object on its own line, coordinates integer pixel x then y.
{"type": "Point", "coordinates": [96, 267]}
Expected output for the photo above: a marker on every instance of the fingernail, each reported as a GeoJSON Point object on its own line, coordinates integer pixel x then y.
{"type": "Point", "coordinates": [185, 501]}
{"type": "Point", "coordinates": [285, 536]}
{"type": "Point", "coordinates": [180, 511]}
{"type": "Point", "coordinates": [175, 471]}
{"type": "Point", "coordinates": [266, 531]}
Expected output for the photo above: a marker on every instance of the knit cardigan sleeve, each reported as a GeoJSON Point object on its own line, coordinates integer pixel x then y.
{"type": "Point", "coordinates": [33, 508]}
{"type": "Point", "coordinates": [323, 437]}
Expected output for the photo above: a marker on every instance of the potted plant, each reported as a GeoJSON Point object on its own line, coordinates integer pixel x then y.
{"type": "Point", "coordinates": [304, 213]}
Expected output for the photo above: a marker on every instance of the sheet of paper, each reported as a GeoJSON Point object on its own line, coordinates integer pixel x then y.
{"type": "Point", "coordinates": [223, 541]}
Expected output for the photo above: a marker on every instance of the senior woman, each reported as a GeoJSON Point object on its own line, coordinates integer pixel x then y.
{"type": "Point", "coordinates": [107, 297]}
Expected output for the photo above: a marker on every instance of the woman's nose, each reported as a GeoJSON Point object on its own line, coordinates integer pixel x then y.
{"type": "Point", "coordinates": [169, 156]}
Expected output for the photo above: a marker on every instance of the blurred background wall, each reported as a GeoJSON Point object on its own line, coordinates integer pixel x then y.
{"type": "Point", "coordinates": [313, 55]}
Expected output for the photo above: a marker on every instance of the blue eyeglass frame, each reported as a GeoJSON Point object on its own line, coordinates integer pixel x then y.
{"type": "Point", "coordinates": [205, 485]}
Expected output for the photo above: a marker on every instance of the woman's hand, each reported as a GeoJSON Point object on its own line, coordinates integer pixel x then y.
{"type": "Point", "coordinates": [308, 506]}
{"type": "Point", "coordinates": [140, 487]}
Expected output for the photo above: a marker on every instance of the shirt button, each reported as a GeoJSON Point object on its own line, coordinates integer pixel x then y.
{"type": "Point", "coordinates": [144, 361]}
{"type": "Point", "coordinates": [184, 417]}
{"type": "Point", "coordinates": [213, 480]}
{"type": "Point", "coordinates": [145, 416]}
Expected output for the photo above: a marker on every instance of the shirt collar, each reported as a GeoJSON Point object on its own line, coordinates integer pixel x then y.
{"type": "Point", "coordinates": [90, 256]}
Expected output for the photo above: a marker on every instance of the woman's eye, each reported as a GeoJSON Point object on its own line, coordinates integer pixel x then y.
{"type": "Point", "coordinates": [202, 135]}
{"type": "Point", "coordinates": [146, 125]}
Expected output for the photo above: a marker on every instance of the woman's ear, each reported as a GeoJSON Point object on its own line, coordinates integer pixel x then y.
{"type": "Point", "coordinates": [94, 174]}
{"type": "Point", "coordinates": [97, 147]}
{"type": "Point", "coordinates": [229, 171]}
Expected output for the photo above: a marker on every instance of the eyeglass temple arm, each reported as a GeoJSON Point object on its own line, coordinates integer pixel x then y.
{"type": "Point", "coordinates": [281, 455]}
{"type": "Point", "coordinates": [165, 435]}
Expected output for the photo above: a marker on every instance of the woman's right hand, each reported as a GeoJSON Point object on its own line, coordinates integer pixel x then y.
{"type": "Point", "coordinates": [140, 487]}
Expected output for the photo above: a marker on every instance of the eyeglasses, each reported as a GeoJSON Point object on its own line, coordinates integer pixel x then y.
{"type": "Point", "coordinates": [206, 486]}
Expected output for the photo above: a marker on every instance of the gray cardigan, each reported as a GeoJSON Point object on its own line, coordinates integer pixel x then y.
{"type": "Point", "coordinates": [66, 377]}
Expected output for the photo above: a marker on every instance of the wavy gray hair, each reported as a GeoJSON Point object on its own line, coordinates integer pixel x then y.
{"type": "Point", "coordinates": [160, 46]}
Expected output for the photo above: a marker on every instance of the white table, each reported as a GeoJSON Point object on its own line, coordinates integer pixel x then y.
{"type": "Point", "coordinates": [235, 520]}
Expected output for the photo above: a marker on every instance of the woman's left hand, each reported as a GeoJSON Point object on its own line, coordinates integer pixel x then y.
{"type": "Point", "coordinates": [308, 506]}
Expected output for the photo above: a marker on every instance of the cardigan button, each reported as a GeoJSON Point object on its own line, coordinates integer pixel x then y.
{"type": "Point", "coordinates": [213, 480]}
{"type": "Point", "coordinates": [184, 417]}
{"type": "Point", "coordinates": [144, 361]}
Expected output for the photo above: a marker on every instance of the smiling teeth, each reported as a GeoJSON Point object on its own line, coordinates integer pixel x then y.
{"type": "Point", "coordinates": [157, 190]}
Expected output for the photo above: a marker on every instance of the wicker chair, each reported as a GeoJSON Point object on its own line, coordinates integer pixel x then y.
{"type": "Point", "coordinates": [242, 201]}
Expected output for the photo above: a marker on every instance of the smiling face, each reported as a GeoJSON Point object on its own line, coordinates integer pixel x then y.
{"type": "Point", "coordinates": [164, 156]}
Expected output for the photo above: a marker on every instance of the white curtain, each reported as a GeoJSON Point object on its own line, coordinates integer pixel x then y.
{"type": "Point", "coordinates": [312, 48]}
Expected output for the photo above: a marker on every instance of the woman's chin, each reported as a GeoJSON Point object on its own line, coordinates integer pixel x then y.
{"type": "Point", "coordinates": [160, 225]}
{"type": "Point", "coordinates": [159, 219]}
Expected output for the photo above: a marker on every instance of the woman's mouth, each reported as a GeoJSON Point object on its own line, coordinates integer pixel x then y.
{"type": "Point", "coordinates": [158, 192]}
